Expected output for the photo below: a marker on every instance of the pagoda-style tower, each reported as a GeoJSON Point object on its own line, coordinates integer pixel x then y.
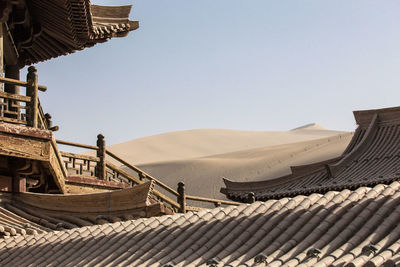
{"type": "Point", "coordinates": [32, 31]}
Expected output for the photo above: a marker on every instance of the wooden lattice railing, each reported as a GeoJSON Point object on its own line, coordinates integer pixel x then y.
{"type": "Point", "coordinates": [24, 109]}
{"type": "Point", "coordinates": [107, 166]}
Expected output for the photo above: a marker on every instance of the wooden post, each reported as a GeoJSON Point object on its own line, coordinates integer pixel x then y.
{"type": "Point", "coordinates": [12, 72]}
{"type": "Point", "coordinates": [101, 153]}
{"type": "Point", "coordinates": [1, 51]}
{"type": "Point", "coordinates": [141, 176]}
{"type": "Point", "coordinates": [19, 184]}
{"type": "Point", "coordinates": [1, 59]}
{"type": "Point", "coordinates": [181, 197]}
{"type": "Point", "coordinates": [32, 91]}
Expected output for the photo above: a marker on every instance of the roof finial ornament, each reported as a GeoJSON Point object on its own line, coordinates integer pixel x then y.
{"type": "Point", "coordinates": [313, 253]}
{"type": "Point", "coordinates": [212, 262]}
{"type": "Point", "coordinates": [251, 197]}
{"type": "Point", "coordinates": [370, 248]}
{"type": "Point", "coordinates": [260, 258]}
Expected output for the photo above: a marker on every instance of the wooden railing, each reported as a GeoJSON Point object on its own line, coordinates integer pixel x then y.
{"type": "Point", "coordinates": [107, 166]}
{"type": "Point", "coordinates": [24, 109]}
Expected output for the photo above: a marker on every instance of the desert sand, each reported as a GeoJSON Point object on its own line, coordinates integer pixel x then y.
{"type": "Point", "coordinates": [200, 158]}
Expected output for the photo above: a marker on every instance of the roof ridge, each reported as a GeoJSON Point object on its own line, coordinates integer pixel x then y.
{"type": "Point", "coordinates": [358, 149]}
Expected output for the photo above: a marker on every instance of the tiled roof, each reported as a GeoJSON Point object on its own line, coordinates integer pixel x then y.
{"type": "Point", "coordinates": [12, 224]}
{"type": "Point", "coordinates": [71, 25]}
{"type": "Point", "coordinates": [27, 213]}
{"type": "Point", "coordinates": [372, 157]}
{"type": "Point", "coordinates": [347, 228]}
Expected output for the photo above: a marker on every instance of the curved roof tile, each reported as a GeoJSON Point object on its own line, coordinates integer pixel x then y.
{"type": "Point", "coordinates": [67, 26]}
{"type": "Point", "coordinates": [372, 157]}
{"type": "Point", "coordinates": [346, 228]}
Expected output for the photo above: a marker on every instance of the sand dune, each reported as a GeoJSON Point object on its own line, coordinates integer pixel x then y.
{"type": "Point", "coordinates": [203, 176]}
{"type": "Point", "coordinates": [192, 144]}
{"type": "Point", "coordinates": [200, 158]}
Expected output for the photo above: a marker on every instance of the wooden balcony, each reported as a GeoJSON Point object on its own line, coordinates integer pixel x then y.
{"type": "Point", "coordinates": [29, 157]}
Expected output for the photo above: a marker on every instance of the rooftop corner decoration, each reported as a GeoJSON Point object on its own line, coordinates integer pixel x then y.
{"type": "Point", "coordinates": [38, 30]}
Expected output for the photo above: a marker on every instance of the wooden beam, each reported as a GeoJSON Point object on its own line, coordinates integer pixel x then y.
{"type": "Point", "coordinates": [81, 180]}
{"type": "Point", "coordinates": [15, 97]}
{"type": "Point", "coordinates": [61, 142]}
{"type": "Point", "coordinates": [19, 130]}
{"type": "Point", "coordinates": [119, 200]}
{"type": "Point", "coordinates": [20, 83]}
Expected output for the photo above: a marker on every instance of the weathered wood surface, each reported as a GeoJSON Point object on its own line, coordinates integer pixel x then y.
{"type": "Point", "coordinates": [23, 147]}
{"type": "Point", "coordinates": [142, 174]}
{"type": "Point", "coordinates": [181, 198]}
{"type": "Point", "coordinates": [20, 109]}
{"type": "Point", "coordinates": [158, 194]}
{"type": "Point", "coordinates": [131, 198]}
{"type": "Point", "coordinates": [11, 120]}
{"type": "Point", "coordinates": [117, 174]}
{"type": "Point", "coordinates": [211, 200]}
{"type": "Point", "coordinates": [32, 91]}
{"type": "Point", "coordinates": [77, 164]}
{"type": "Point", "coordinates": [93, 182]}
{"type": "Point", "coordinates": [123, 173]}
{"type": "Point", "coordinates": [100, 170]}
{"type": "Point", "coordinates": [72, 189]}
{"type": "Point", "coordinates": [163, 198]}
{"type": "Point", "coordinates": [5, 183]}
{"type": "Point", "coordinates": [157, 209]}
{"type": "Point", "coordinates": [43, 122]}
{"type": "Point", "coordinates": [19, 184]}
{"type": "Point", "coordinates": [13, 108]}
{"type": "Point", "coordinates": [55, 166]}
{"type": "Point", "coordinates": [15, 97]}
{"type": "Point", "coordinates": [33, 144]}
{"type": "Point", "coordinates": [79, 156]}
{"type": "Point", "coordinates": [20, 83]}
{"type": "Point", "coordinates": [61, 142]}
{"type": "Point", "coordinates": [191, 208]}
{"type": "Point", "coordinates": [25, 131]}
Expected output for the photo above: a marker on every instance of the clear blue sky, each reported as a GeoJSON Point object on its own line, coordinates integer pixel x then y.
{"type": "Point", "coordinates": [232, 64]}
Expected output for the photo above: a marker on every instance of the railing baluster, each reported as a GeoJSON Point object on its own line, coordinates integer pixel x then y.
{"type": "Point", "coordinates": [141, 176]}
{"type": "Point", "coordinates": [81, 167]}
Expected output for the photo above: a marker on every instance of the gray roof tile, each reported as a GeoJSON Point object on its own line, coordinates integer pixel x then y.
{"type": "Point", "coordinates": [372, 157]}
